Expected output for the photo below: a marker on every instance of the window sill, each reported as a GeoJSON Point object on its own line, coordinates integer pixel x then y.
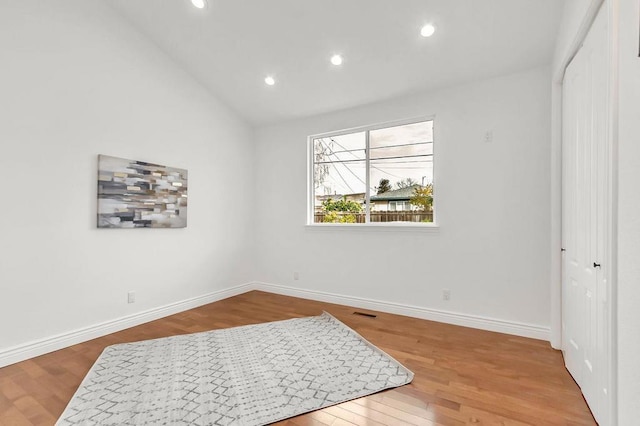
{"type": "Point", "coordinates": [382, 227]}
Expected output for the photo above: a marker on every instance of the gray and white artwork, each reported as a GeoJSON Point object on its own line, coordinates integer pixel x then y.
{"type": "Point", "coordinates": [137, 194]}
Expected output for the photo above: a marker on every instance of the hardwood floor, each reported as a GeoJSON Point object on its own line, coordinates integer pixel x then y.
{"type": "Point", "coordinates": [462, 375]}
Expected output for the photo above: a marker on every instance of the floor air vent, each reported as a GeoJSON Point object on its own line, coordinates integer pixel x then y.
{"type": "Point", "coordinates": [365, 315]}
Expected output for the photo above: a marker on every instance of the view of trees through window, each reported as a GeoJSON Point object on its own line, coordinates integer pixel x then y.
{"type": "Point", "coordinates": [377, 175]}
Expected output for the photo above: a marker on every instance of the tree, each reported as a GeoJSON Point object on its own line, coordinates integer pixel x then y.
{"type": "Point", "coordinates": [342, 205]}
{"type": "Point", "coordinates": [383, 186]}
{"type": "Point", "coordinates": [334, 217]}
{"type": "Point", "coordinates": [340, 211]}
{"type": "Point", "coordinates": [405, 183]}
{"type": "Point", "coordinates": [321, 152]}
{"type": "Point", "coordinates": [423, 197]}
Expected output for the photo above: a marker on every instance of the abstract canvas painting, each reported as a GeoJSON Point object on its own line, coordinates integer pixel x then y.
{"type": "Point", "coordinates": [137, 194]}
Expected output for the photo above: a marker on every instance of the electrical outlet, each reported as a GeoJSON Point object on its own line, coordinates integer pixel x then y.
{"type": "Point", "coordinates": [446, 294]}
{"type": "Point", "coordinates": [131, 297]}
{"type": "Point", "coordinates": [296, 276]}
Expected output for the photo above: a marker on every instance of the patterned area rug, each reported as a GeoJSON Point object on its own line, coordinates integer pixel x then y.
{"type": "Point", "coordinates": [250, 375]}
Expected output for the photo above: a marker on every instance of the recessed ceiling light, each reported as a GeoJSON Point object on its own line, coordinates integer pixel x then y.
{"type": "Point", "coordinates": [336, 60]}
{"type": "Point", "coordinates": [270, 81]}
{"type": "Point", "coordinates": [200, 4]}
{"type": "Point", "coordinates": [427, 30]}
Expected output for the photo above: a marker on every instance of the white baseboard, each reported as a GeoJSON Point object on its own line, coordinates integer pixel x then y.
{"type": "Point", "coordinates": [42, 346]}
{"type": "Point", "coordinates": [473, 321]}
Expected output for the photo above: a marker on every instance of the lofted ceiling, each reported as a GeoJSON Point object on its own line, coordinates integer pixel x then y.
{"type": "Point", "coordinates": [232, 45]}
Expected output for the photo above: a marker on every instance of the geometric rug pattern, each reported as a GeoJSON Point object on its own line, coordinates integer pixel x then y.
{"type": "Point", "coordinates": [249, 375]}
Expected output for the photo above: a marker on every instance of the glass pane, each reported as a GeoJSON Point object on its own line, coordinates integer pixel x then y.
{"type": "Point", "coordinates": [400, 135]}
{"type": "Point", "coordinates": [339, 178]}
{"type": "Point", "coordinates": [340, 148]}
{"type": "Point", "coordinates": [409, 140]}
{"type": "Point", "coordinates": [401, 172]}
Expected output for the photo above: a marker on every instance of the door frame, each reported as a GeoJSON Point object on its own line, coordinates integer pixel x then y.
{"type": "Point", "coordinates": [556, 189]}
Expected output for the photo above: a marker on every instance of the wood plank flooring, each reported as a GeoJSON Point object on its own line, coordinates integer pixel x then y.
{"type": "Point", "coordinates": [462, 376]}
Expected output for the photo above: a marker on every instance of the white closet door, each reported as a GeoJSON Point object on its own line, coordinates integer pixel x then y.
{"type": "Point", "coordinates": [600, 342]}
{"type": "Point", "coordinates": [572, 291]}
{"type": "Point", "coordinates": [584, 218]}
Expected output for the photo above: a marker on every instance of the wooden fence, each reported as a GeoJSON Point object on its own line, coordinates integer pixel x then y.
{"type": "Point", "coordinates": [400, 216]}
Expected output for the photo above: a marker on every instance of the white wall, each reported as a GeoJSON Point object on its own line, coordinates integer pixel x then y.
{"type": "Point", "coordinates": [628, 215]}
{"type": "Point", "coordinates": [571, 25]}
{"type": "Point", "coordinates": [492, 248]}
{"type": "Point", "coordinates": [77, 81]}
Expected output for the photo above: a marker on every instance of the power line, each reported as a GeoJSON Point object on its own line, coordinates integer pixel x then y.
{"type": "Point", "coordinates": [343, 179]}
{"type": "Point", "coordinates": [401, 168]}
{"type": "Point", "coordinates": [406, 162]}
{"type": "Point", "coordinates": [374, 167]}
{"type": "Point", "coordinates": [350, 171]}
{"type": "Point", "coordinates": [400, 145]}
{"type": "Point", "coordinates": [351, 151]}
{"type": "Point", "coordinates": [338, 171]}
{"type": "Point", "coordinates": [376, 159]}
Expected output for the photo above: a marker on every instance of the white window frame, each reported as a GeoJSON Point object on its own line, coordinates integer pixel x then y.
{"type": "Point", "coordinates": [369, 225]}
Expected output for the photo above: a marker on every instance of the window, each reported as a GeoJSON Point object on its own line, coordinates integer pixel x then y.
{"type": "Point", "coordinates": [399, 206]}
{"type": "Point", "coordinates": [377, 174]}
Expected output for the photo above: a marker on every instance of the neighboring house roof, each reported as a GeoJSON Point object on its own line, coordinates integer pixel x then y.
{"type": "Point", "coordinates": [396, 194]}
